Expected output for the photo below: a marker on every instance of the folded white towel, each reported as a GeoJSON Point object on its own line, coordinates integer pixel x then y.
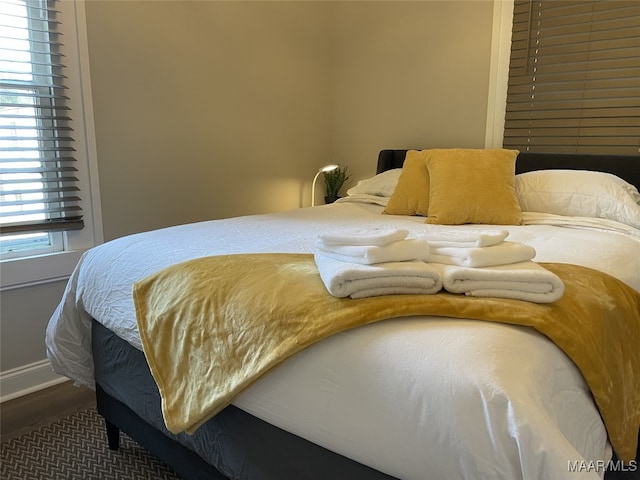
{"type": "Point", "coordinates": [371, 236]}
{"type": "Point", "coordinates": [465, 237]}
{"type": "Point", "coordinates": [400, 251]}
{"type": "Point", "coordinates": [354, 280]}
{"type": "Point", "coordinates": [520, 281]}
{"type": "Point", "coordinates": [503, 253]}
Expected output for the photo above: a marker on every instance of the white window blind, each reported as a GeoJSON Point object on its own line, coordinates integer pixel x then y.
{"type": "Point", "coordinates": [574, 77]}
{"type": "Point", "coordinates": [38, 183]}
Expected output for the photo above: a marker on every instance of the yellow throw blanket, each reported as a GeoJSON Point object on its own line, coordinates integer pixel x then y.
{"type": "Point", "coordinates": [211, 327]}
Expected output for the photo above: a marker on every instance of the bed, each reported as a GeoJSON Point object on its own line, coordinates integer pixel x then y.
{"type": "Point", "coordinates": [412, 396]}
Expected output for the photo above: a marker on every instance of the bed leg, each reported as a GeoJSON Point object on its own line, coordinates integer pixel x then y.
{"type": "Point", "coordinates": [113, 435]}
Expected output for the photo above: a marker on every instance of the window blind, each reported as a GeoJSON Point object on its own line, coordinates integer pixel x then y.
{"type": "Point", "coordinates": [38, 182]}
{"type": "Point", "coordinates": [574, 77]}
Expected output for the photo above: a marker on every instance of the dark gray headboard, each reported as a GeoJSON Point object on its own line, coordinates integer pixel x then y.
{"type": "Point", "coordinates": [625, 167]}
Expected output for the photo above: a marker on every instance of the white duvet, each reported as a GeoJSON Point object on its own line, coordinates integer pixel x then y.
{"type": "Point", "coordinates": [416, 398]}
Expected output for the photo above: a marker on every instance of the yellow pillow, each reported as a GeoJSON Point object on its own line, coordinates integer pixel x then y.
{"type": "Point", "coordinates": [411, 195]}
{"type": "Point", "coordinates": [473, 186]}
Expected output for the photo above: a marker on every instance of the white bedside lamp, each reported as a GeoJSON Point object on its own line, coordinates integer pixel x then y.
{"type": "Point", "coordinates": [326, 168]}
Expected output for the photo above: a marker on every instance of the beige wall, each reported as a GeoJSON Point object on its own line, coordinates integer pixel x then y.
{"type": "Point", "coordinates": [215, 109]}
{"type": "Point", "coordinates": [206, 109]}
{"type": "Point", "coordinates": [25, 313]}
{"type": "Point", "coordinates": [409, 74]}
{"type": "Point", "coordinates": [209, 109]}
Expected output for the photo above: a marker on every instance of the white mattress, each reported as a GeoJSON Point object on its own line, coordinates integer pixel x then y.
{"type": "Point", "coordinates": [415, 398]}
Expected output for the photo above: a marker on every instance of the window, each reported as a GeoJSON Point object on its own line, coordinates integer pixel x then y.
{"type": "Point", "coordinates": [573, 77]}
{"type": "Point", "coordinates": [56, 261]}
{"type": "Point", "coordinates": [38, 182]}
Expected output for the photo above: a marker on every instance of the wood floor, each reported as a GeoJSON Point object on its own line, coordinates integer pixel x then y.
{"type": "Point", "coordinates": [26, 413]}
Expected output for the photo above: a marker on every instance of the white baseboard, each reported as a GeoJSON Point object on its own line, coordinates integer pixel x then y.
{"type": "Point", "coordinates": [27, 379]}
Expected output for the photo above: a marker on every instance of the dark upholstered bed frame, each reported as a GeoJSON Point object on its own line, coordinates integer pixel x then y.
{"type": "Point", "coordinates": [625, 167]}
{"type": "Point", "coordinates": [280, 455]}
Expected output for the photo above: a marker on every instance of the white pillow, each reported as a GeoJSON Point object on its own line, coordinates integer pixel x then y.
{"type": "Point", "coordinates": [382, 185]}
{"type": "Point", "coordinates": [579, 193]}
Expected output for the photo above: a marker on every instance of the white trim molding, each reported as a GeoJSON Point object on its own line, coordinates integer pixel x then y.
{"type": "Point", "coordinates": [27, 379]}
{"type": "Point", "coordinates": [498, 72]}
{"type": "Point", "coordinates": [32, 271]}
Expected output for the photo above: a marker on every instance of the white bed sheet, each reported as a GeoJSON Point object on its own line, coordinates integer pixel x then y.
{"type": "Point", "coordinates": [422, 397]}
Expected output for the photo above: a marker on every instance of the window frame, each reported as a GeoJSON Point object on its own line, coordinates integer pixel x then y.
{"type": "Point", "coordinates": [39, 269]}
{"type": "Point", "coordinates": [498, 72]}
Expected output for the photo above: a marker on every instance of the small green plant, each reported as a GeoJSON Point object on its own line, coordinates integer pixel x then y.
{"type": "Point", "coordinates": [333, 182]}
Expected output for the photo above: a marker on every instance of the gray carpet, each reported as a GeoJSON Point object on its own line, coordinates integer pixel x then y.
{"type": "Point", "coordinates": [75, 447]}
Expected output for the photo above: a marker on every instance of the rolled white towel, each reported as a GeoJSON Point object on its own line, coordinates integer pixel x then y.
{"type": "Point", "coordinates": [503, 253]}
{"type": "Point", "coordinates": [465, 237]}
{"type": "Point", "coordinates": [400, 251]}
{"type": "Point", "coordinates": [371, 236]}
{"type": "Point", "coordinates": [520, 281]}
{"type": "Point", "coordinates": [354, 280]}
